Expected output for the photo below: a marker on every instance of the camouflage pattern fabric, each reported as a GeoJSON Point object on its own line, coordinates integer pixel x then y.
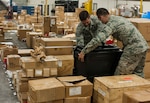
{"type": "Point", "coordinates": [123, 30]}
{"type": "Point", "coordinates": [131, 64]}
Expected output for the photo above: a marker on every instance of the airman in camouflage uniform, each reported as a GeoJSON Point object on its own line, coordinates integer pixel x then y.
{"type": "Point", "coordinates": [134, 45]}
{"type": "Point", "coordinates": [85, 32]}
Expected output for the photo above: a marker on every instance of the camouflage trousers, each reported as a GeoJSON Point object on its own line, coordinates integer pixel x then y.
{"type": "Point", "coordinates": [131, 64]}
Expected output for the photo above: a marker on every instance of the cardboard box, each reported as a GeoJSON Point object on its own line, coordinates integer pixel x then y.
{"type": "Point", "coordinates": [30, 100]}
{"type": "Point", "coordinates": [22, 33]}
{"type": "Point", "coordinates": [77, 86]}
{"type": "Point", "coordinates": [30, 63]}
{"type": "Point", "coordinates": [58, 50]}
{"type": "Point", "coordinates": [30, 72]}
{"type": "Point", "coordinates": [65, 64]}
{"type": "Point", "coordinates": [110, 89]}
{"type": "Point", "coordinates": [78, 100]}
{"type": "Point", "coordinates": [137, 97]}
{"type": "Point", "coordinates": [147, 70]}
{"type": "Point", "coordinates": [38, 72]}
{"type": "Point", "coordinates": [29, 38]}
{"type": "Point", "coordinates": [24, 52]}
{"type": "Point", "coordinates": [13, 62]}
{"type": "Point", "coordinates": [143, 26]}
{"type": "Point", "coordinates": [46, 72]}
{"type": "Point", "coordinates": [56, 42]}
{"type": "Point", "coordinates": [49, 89]}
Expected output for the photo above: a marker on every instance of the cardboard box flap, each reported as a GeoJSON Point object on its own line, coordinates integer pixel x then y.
{"type": "Point", "coordinates": [70, 79]}
{"type": "Point", "coordinates": [123, 81]}
{"type": "Point", "coordinates": [74, 81]}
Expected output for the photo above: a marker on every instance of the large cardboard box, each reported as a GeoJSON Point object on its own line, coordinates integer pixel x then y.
{"type": "Point", "coordinates": [31, 63]}
{"type": "Point", "coordinates": [110, 89]}
{"type": "Point", "coordinates": [143, 26]}
{"type": "Point", "coordinates": [76, 86]}
{"type": "Point", "coordinates": [58, 50]}
{"type": "Point", "coordinates": [22, 33]}
{"type": "Point", "coordinates": [29, 38]}
{"type": "Point", "coordinates": [49, 89]}
{"type": "Point", "coordinates": [56, 42]}
{"type": "Point", "coordinates": [78, 100]}
{"type": "Point", "coordinates": [30, 100]}
{"type": "Point", "coordinates": [65, 64]}
{"type": "Point", "coordinates": [147, 70]}
{"type": "Point", "coordinates": [13, 62]}
{"type": "Point", "coordinates": [137, 97]}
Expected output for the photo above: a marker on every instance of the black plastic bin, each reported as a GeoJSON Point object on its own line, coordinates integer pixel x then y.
{"type": "Point", "coordinates": [100, 62]}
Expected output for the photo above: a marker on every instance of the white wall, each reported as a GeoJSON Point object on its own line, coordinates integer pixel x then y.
{"type": "Point", "coordinates": [41, 2]}
{"type": "Point", "coordinates": [101, 3]}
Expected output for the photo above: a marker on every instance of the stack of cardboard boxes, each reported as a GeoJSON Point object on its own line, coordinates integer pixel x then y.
{"type": "Point", "coordinates": [71, 89]}
{"type": "Point", "coordinates": [33, 68]}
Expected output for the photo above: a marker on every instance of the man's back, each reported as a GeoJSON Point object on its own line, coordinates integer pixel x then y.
{"type": "Point", "coordinates": [126, 32]}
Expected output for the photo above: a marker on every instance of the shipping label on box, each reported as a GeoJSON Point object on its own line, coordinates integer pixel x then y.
{"type": "Point", "coordinates": [38, 72]}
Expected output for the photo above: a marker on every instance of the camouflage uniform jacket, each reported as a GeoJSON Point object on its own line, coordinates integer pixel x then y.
{"type": "Point", "coordinates": [84, 34]}
{"type": "Point", "coordinates": [123, 30]}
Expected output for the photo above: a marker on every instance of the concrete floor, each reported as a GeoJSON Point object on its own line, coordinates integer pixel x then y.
{"type": "Point", "coordinates": [6, 94]}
